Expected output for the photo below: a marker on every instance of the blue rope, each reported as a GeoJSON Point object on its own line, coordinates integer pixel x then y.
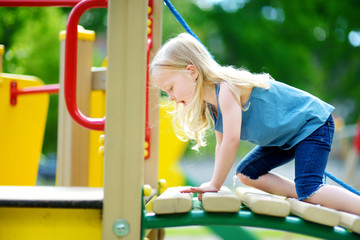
{"type": "Point", "coordinates": [181, 20]}
{"type": "Point", "coordinates": [342, 183]}
{"type": "Point", "coordinates": [188, 29]}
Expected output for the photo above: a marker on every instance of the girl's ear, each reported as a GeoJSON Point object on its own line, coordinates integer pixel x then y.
{"type": "Point", "coordinates": [193, 71]}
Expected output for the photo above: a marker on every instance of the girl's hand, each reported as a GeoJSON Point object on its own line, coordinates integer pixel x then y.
{"type": "Point", "coordinates": [205, 187]}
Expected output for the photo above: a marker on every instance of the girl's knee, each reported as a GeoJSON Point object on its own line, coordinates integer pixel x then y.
{"type": "Point", "coordinates": [306, 187]}
{"type": "Point", "coordinates": [245, 179]}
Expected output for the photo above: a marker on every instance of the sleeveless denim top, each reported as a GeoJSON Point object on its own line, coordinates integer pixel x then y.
{"type": "Point", "coordinates": [279, 116]}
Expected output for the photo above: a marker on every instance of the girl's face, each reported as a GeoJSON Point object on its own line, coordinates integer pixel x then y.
{"type": "Point", "coordinates": [178, 84]}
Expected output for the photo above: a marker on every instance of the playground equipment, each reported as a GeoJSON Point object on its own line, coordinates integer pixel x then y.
{"type": "Point", "coordinates": [260, 209]}
{"type": "Point", "coordinates": [114, 211]}
{"type": "Point", "coordinates": [127, 41]}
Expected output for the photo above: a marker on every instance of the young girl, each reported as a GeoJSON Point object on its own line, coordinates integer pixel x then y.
{"type": "Point", "coordinates": [284, 122]}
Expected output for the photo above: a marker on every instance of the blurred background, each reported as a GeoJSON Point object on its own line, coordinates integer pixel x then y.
{"type": "Point", "coordinates": [313, 45]}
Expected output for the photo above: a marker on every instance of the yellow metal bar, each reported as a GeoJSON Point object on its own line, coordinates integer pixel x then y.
{"type": "Point", "coordinates": [2, 50]}
{"type": "Point", "coordinates": [125, 118]}
{"type": "Point", "coordinates": [96, 156]}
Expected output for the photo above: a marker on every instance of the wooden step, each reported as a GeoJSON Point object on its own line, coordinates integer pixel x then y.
{"type": "Point", "coordinates": [350, 222]}
{"type": "Point", "coordinates": [264, 203]}
{"type": "Point", "coordinates": [223, 201]}
{"type": "Point", "coordinates": [172, 201]}
{"type": "Point", "coordinates": [315, 213]}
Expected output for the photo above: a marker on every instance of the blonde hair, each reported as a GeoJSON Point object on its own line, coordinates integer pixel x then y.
{"type": "Point", "coordinates": [191, 121]}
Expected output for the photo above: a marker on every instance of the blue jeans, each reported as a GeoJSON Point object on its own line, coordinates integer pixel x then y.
{"type": "Point", "coordinates": [311, 156]}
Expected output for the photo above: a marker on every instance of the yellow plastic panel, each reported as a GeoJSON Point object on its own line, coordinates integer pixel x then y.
{"type": "Point", "coordinates": [50, 224]}
{"type": "Point", "coordinates": [170, 153]}
{"type": "Point", "coordinates": [22, 130]}
{"type": "Point", "coordinates": [171, 148]}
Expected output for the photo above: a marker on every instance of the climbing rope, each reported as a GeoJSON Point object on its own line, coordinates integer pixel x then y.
{"type": "Point", "coordinates": [181, 20]}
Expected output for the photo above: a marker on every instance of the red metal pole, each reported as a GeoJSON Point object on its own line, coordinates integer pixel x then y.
{"type": "Point", "coordinates": [38, 3]}
{"type": "Point", "coordinates": [51, 89]}
{"type": "Point", "coordinates": [71, 65]}
{"type": "Point", "coordinates": [147, 125]}
{"type": "Point", "coordinates": [149, 46]}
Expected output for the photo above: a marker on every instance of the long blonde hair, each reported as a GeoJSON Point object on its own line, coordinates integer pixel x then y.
{"type": "Point", "coordinates": [191, 121]}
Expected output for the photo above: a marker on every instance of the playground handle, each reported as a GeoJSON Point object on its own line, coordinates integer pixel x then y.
{"type": "Point", "coordinates": [15, 92]}
{"type": "Point", "coordinates": [71, 65]}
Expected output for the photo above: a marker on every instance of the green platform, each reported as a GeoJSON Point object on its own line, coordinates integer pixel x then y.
{"type": "Point", "coordinates": [246, 218]}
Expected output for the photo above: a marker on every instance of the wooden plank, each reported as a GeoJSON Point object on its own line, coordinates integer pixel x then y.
{"type": "Point", "coordinates": [223, 201]}
{"type": "Point", "coordinates": [125, 118]}
{"type": "Point", "coordinates": [73, 139]}
{"type": "Point", "coordinates": [264, 203]}
{"type": "Point", "coordinates": [172, 201]}
{"type": "Point", "coordinates": [350, 222]}
{"type": "Point", "coordinates": [315, 213]}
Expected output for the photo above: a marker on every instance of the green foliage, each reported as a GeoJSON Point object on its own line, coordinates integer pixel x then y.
{"type": "Point", "coordinates": [33, 47]}
{"type": "Point", "coordinates": [302, 43]}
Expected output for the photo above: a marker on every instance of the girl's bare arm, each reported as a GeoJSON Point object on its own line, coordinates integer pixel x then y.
{"type": "Point", "coordinates": [227, 143]}
{"type": "Point", "coordinates": [226, 152]}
